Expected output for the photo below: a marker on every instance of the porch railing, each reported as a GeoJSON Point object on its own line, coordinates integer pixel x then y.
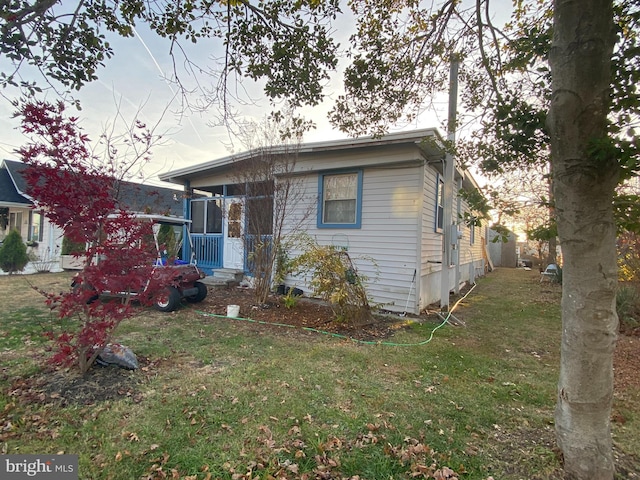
{"type": "Point", "coordinates": [208, 250]}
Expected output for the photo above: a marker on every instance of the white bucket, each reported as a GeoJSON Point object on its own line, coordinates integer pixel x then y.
{"type": "Point", "coordinates": [233, 310]}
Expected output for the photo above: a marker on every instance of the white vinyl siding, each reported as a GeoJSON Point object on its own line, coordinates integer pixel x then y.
{"type": "Point", "coordinates": [470, 258]}
{"type": "Point", "coordinates": [431, 241]}
{"type": "Point", "coordinates": [385, 248]}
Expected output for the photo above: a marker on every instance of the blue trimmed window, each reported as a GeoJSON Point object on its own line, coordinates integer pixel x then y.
{"type": "Point", "coordinates": [340, 199]}
{"type": "Point", "coordinates": [439, 203]}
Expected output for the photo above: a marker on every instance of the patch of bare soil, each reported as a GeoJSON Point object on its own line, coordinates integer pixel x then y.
{"type": "Point", "coordinates": [521, 448]}
{"type": "Point", "coordinates": [626, 361]}
{"type": "Point", "coordinates": [69, 387]}
{"type": "Point", "coordinates": [307, 314]}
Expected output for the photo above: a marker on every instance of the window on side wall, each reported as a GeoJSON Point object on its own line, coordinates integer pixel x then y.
{"type": "Point", "coordinates": [439, 203]}
{"type": "Point", "coordinates": [15, 221]}
{"type": "Point", "coordinates": [340, 200]}
{"type": "Point", "coordinates": [35, 226]}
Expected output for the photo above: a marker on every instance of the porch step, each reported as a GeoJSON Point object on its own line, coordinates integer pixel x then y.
{"type": "Point", "coordinates": [228, 274]}
{"type": "Point", "coordinates": [223, 278]}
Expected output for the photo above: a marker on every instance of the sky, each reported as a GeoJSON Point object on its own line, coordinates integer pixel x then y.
{"type": "Point", "coordinates": [132, 83]}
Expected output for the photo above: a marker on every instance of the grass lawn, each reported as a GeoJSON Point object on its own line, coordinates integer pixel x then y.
{"type": "Point", "coordinates": [219, 398]}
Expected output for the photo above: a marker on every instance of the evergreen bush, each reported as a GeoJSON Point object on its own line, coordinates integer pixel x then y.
{"type": "Point", "coordinates": [69, 247]}
{"type": "Point", "coordinates": [13, 253]}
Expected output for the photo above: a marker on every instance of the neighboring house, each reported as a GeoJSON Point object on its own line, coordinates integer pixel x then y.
{"type": "Point", "coordinates": [503, 254]}
{"type": "Point", "coordinates": [380, 198]}
{"type": "Point", "coordinates": [17, 209]}
{"type": "Point", "coordinates": [17, 212]}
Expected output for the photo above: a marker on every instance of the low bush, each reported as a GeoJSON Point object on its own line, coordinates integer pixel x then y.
{"type": "Point", "coordinates": [335, 279]}
{"type": "Point", "coordinates": [628, 307]}
{"type": "Point", "coordinates": [13, 253]}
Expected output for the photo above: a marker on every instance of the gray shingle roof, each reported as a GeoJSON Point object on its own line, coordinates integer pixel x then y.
{"type": "Point", "coordinates": [133, 196]}
{"type": "Point", "coordinates": [8, 192]}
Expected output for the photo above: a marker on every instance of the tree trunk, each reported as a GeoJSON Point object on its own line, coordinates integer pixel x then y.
{"type": "Point", "coordinates": [584, 184]}
{"type": "Point", "coordinates": [553, 251]}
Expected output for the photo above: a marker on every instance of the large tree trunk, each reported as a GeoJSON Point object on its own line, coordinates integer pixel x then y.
{"type": "Point", "coordinates": [584, 184]}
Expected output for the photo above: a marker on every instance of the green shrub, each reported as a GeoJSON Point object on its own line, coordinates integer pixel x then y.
{"type": "Point", "coordinates": [628, 307]}
{"type": "Point", "coordinates": [70, 247]}
{"type": "Point", "coordinates": [557, 278]}
{"type": "Point", "coordinates": [169, 241]}
{"type": "Point", "coordinates": [335, 279]}
{"type": "Point", "coordinates": [629, 257]}
{"type": "Point", "coordinates": [290, 299]}
{"type": "Point", "coordinates": [13, 253]}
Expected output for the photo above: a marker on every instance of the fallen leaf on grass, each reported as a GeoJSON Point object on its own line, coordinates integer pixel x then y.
{"type": "Point", "coordinates": [445, 473]}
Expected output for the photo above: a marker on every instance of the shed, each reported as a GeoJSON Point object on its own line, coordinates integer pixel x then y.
{"type": "Point", "coordinates": [503, 254]}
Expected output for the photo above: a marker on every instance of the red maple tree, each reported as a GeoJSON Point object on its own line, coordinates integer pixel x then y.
{"type": "Point", "coordinates": [78, 192]}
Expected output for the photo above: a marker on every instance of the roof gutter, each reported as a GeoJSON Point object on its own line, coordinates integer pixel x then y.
{"type": "Point", "coordinates": [423, 138]}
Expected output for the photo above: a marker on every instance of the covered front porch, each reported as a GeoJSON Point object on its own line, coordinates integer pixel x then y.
{"type": "Point", "coordinates": [222, 232]}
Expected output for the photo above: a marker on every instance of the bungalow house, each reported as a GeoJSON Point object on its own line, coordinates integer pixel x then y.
{"type": "Point", "coordinates": [381, 199]}
{"type": "Point", "coordinates": [18, 211]}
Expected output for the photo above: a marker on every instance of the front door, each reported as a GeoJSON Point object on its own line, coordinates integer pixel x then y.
{"type": "Point", "coordinates": [233, 230]}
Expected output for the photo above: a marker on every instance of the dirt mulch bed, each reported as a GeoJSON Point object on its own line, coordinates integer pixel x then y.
{"type": "Point", "coordinates": [67, 387]}
{"type": "Point", "coordinates": [307, 314]}
{"type": "Point", "coordinates": [626, 361]}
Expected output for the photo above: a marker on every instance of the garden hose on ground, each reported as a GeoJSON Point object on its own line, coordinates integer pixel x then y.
{"type": "Point", "coordinates": [345, 337]}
